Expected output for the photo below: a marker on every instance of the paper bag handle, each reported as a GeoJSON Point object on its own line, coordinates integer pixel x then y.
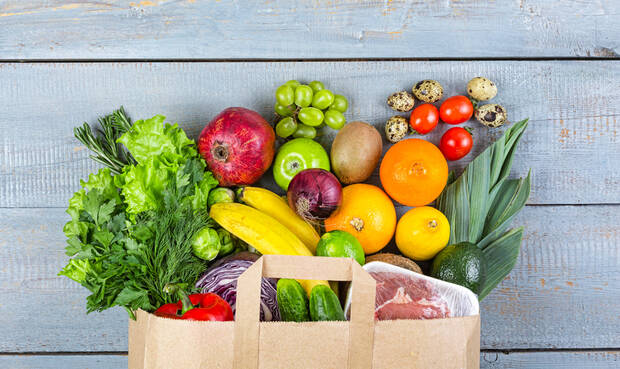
{"type": "Point", "coordinates": [361, 325]}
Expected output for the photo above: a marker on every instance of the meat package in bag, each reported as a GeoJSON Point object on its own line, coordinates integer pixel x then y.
{"type": "Point", "coordinates": [403, 294]}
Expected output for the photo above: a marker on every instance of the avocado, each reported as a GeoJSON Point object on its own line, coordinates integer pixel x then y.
{"type": "Point", "coordinates": [463, 264]}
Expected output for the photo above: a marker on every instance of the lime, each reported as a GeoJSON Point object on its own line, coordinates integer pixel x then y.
{"type": "Point", "coordinates": [340, 244]}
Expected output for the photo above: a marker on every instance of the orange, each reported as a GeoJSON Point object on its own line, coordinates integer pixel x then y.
{"type": "Point", "coordinates": [414, 172]}
{"type": "Point", "coordinates": [367, 213]}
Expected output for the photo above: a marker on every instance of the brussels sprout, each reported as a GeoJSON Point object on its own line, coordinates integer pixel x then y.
{"type": "Point", "coordinates": [206, 244]}
{"type": "Point", "coordinates": [226, 242]}
{"type": "Point", "coordinates": [220, 194]}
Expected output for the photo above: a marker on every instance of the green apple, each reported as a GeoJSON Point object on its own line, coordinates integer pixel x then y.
{"type": "Point", "coordinates": [295, 156]}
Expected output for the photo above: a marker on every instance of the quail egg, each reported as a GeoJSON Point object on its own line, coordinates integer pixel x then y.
{"type": "Point", "coordinates": [428, 90]}
{"type": "Point", "coordinates": [401, 101]}
{"type": "Point", "coordinates": [396, 128]}
{"type": "Point", "coordinates": [481, 89]}
{"type": "Point", "coordinates": [491, 115]}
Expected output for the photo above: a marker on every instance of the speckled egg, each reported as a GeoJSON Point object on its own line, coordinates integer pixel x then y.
{"type": "Point", "coordinates": [481, 89]}
{"type": "Point", "coordinates": [491, 115]}
{"type": "Point", "coordinates": [401, 101]}
{"type": "Point", "coordinates": [428, 90]}
{"type": "Point", "coordinates": [396, 128]}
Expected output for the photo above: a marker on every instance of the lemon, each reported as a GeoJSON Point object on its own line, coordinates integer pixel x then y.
{"type": "Point", "coordinates": [422, 232]}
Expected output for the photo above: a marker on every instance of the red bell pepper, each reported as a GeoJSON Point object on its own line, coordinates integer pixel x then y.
{"type": "Point", "coordinates": [199, 306]}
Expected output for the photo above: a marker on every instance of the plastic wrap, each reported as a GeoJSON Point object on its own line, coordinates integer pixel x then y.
{"type": "Point", "coordinates": [403, 294]}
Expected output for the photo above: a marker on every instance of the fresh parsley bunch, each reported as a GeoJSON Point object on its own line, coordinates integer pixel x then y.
{"type": "Point", "coordinates": [131, 233]}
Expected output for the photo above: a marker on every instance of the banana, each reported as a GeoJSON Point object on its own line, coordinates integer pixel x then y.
{"type": "Point", "coordinates": [274, 206]}
{"type": "Point", "coordinates": [261, 231]}
{"type": "Point", "coordinates": [258, 229]}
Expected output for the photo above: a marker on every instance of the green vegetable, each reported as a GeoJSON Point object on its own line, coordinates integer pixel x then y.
{"type": "Point", "coordinates": [131, 234]}
{"type": "Point", "coordinates": [227, 245]}
{"type": "Point", "coordinates": [206, 244]}
{"type": "Point", "coordinates": [104, 144]}
{"type": "Point", "coordinates": [220, 194]}
{"type": "Point", "coordinates": [481, 203]}
{"type": "Point", "coordinates": [166, 159]}
{"type": "Point", "coordinates": [324, 304]}
{"type": "Point", "coordinates": [292, 301]}
{"type": "Point", "coordinates": [463, 264]}
{"type": "Point", "coordinates": [151, 137]}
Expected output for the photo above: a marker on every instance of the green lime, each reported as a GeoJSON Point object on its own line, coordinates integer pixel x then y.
{"type": "Point", "coordinates": [340, 244]}
{"type": "Point", "coordinates": [463, 264]}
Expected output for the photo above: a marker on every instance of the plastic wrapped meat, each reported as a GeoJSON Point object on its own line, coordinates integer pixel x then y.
{"type": "Point", "coordinates": [403, 294]}
{"type": "Point", "coordinates": [400, 297]}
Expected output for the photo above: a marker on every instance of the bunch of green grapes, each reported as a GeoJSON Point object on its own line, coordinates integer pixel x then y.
{"type": "Point", "coordinates": [304, 108]}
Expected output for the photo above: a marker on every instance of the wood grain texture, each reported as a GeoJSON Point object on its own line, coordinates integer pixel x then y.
{"type": "Point", "coordinates": [63, 361]}
{"type": "Point", "coordinates": [488, 360]}
{"type": "Point", "coordinates": [113, 29]}
{"type": "Point", "coordinates": [550, 360]}
{"type": "Point", "coordinates": [563, 292]}
{"type": "Point", "coordinates": [571, 144]}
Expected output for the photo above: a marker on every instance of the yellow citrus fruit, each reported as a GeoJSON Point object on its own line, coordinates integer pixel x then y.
{"type": "Point", "coordinates": [422, 232]}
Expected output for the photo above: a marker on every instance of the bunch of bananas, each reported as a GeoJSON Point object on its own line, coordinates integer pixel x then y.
{"type": "Point", "coordinates": [269, 225]}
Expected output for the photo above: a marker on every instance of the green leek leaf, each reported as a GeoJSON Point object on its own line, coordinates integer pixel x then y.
{"type": "Point", "coordinates": [481, 203]}
{"type": "Point", "coordinates": [501, 256]}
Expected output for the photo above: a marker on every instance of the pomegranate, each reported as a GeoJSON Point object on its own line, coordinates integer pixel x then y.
{"type": "Point", "coordinates": [238, 146]}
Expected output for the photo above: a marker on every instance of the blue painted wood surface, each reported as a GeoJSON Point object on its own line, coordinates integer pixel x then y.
{"type": "Point", "coordinates": [571, 144]}
{"type": "Point", "coordinates": [564, 290]}
{"type": "Point", "coordinates": [242, 29]}
{"type": "Point", "coordinates": [488, 360]}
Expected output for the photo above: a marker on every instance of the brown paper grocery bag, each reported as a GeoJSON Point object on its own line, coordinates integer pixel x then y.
{"type": "Point", "coordinates": [361, 343]}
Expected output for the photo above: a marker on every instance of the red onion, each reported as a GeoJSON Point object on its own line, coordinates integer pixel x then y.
{"type": "Point", "coordinates": [314, 194]}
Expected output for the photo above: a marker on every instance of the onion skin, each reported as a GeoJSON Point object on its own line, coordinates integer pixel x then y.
{"type": "Point", "coordinates": [314, 194]}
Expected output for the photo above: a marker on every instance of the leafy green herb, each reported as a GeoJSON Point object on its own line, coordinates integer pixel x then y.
{"type": "Point", "coordinates": [481, 203]}
{"type": "Point", "coordinates": [131, 234]}
{"type": "Point", "coordinates": [103, 142]}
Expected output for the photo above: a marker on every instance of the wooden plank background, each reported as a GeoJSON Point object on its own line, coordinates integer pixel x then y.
{"type": "Point", "coordinates": [158, 29]}
{"type": "Point", "coordinates": [190, 59]}
{"type": "Point", "coordinates": [488, 360]}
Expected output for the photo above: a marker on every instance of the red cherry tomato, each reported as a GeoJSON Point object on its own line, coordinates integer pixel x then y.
{"type": "Point", "coordinates": [456, 109]}
{"type": "Point", "coordinates": [456, 143]}
{"type": "Point", "coordinates": [424, 118]}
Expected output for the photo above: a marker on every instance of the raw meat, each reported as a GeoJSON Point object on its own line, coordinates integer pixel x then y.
{"type": "Point", "coordinates": [401, 297]}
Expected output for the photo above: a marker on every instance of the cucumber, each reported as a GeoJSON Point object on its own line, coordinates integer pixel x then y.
{"type": "Point", "coordinates": [324, 304]}
{"type": "Point", "coordinates": [292, 301]}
